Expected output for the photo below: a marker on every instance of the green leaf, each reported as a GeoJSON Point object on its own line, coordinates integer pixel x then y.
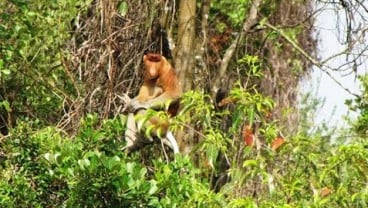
{"type": "Point", "coordinates": [130, 167]}
{"type": "Point", "coordinates": [83, 163]}
{"type": "Point", "coordinates": [47, 156]}
{"type": "Point", "coordinates": [5, 71]}
{"type": "Point", "coordinates": [6, 105]}
{"type": "Point", "coordinates": [251, 116]}
{"type": "Point", "coordinates": [153, 187]}
{"type": "Point", "coordinates": [249, 163]}
{"type": "Point", "coordinates": [123, 8]}
{"type": "Point", "coordinates": [70, 171]}
{"type": "Point", "coordinates": [212, 152]}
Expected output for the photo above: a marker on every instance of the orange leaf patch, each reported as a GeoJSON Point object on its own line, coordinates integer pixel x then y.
{"type": "Point", "coordinates": [248, 135]}
{"type": "Point", "coordinates": [276, 143]}
{"type": "Point", "coordinates": [226, 101]}
{"type": "Point", "coordinates": [325, 191]}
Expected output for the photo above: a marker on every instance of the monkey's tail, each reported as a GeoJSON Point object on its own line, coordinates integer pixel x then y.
{"type": "Point", "coordinates": [173, 142]}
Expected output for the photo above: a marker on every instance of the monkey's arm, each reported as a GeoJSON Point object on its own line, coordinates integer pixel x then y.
{"type": "Point", "coordinates": [147, 93]}
{"type": "Point", "coordinates": [157, 102]}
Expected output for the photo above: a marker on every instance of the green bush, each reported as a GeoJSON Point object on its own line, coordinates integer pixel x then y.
{"type": "Point", "coordinates": [33, 35]}
{"type": "Point", "coordinates": [47, 168]}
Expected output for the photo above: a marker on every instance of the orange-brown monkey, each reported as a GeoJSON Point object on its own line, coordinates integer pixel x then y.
{"type": "Point", "coordinates": [161, 86]}
{"type": "Point", "coordinates": [150, 88]}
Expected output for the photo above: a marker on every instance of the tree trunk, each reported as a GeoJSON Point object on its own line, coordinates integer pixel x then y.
{"type": "Point", "coordinates": [185, 43]}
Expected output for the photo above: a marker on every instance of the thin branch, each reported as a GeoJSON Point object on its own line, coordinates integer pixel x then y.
{"type": "Point", "coordinates": [294, 44]}
{"type": "Point", "coordinates": [315, 62]}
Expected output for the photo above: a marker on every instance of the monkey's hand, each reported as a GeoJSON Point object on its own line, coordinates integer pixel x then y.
{"type": "Point", "coordinates": [135, 105]}
{"type": "Point", "coordinates": [158, 103]}
{"type": "Point", "coordinates": [129, 103]}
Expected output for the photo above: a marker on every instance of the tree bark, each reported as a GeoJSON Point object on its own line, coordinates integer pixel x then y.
{"type": "Point", "coordinates": [185, 43]}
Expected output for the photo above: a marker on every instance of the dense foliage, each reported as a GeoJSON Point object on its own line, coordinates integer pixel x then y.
{"type": "Point", "coordinates": [240, 157]}
{"type": "Point", "coordinates": [46, 167]}
{"type": "Point", "coordinates": [33, 81]}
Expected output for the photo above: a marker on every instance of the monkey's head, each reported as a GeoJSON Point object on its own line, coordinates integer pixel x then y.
{"type": "Point", "coordinates": [155, 65]}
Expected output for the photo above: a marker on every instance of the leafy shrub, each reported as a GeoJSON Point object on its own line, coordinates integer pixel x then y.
{"type": "Point", "coordinates": [47, 168]}
{"type": "Point", "coordinates": [32, 76]}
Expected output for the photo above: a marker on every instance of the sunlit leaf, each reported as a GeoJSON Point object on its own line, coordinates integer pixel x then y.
{"type": "Point", "coordinates": [47, 156]}
{"type": "Point", "coordinates": [250, 163]}
{"type": "Point", "coordinates": [6, 105]}
{"type": "Point", "coordinates": [123, 8]}
{"type": "Point", "coordinates": [153, 187]}
{"type": "Point", "coordinates": [5, 71]}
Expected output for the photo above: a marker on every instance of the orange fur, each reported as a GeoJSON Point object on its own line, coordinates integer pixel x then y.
{"type": "Point", "coordinates": [150, 89]}
{"type": "Point", "coordinates": [161, 84]}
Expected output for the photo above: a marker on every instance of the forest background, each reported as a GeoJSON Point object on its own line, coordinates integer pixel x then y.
{"type": "Point", "coordinates": [66, 65]}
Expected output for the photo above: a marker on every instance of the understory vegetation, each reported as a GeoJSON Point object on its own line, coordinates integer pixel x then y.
{"type": "Point", "coordinates": [44, 167]}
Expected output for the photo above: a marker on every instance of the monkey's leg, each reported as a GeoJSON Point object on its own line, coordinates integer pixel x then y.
{"type": "Point", "coordinates": [130, 133]}
{"type": "Point", "coordinates": [135, 140]}
{"type": "Point", "coordinates": [133, 137]}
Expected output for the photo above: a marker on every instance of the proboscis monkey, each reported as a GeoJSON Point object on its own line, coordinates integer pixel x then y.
{"type": "Point", "coordinates": [150, 89]}
{"type": "Point", "coordinates": [160, 87]}
{"type": "Point", "coordinates": [161, 84]}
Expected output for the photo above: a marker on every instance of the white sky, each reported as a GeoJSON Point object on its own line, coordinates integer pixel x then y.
{"type": "Point", "coordinates": [334, 107]}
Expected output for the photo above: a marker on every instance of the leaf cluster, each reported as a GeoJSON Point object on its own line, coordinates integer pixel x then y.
{"type": "Point", "coordinates": [45, 167]}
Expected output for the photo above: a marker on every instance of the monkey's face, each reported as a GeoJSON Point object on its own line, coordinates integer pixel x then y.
{"type": "Point", "coordinates": [152, 63]}
{"type": "Point", "coordinates": [151, 72]}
